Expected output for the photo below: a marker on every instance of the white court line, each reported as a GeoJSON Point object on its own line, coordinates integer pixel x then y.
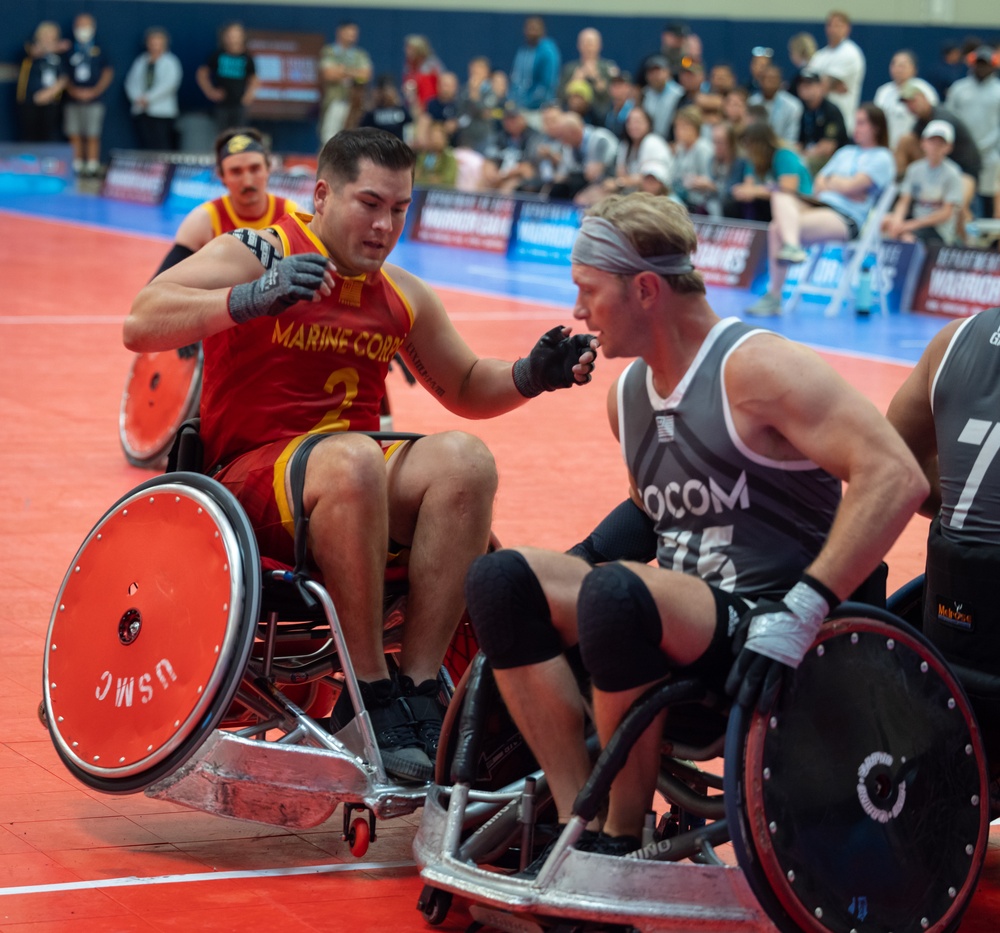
{"type": "Point", "coordinates": [135, 881]}
{"type": "Point", "coordinates": [45, 319]}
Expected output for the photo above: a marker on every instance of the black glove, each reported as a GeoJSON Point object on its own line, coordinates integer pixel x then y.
{"type": "Point", "coordinates": [185, 353]}
{"type": "Point", "coordinates": [288, 281]}
{"type": "Point", "coordinates": [773, 638]}
{"type": "Point", "coordinates": [549, 366]}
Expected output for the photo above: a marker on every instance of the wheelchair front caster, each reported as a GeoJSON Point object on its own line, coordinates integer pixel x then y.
{"type": "Point", "coordinates": [360, 832]}
{"type": "Point", "coordinates": [434, 904]}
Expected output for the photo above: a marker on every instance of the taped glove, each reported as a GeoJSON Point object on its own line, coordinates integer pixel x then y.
{"type": "Point", "coordinates": [773, 638]}
{"type": "Point", "coordinates": [549, 365]}
{"type": "Point", "coordinates": [288, 281]}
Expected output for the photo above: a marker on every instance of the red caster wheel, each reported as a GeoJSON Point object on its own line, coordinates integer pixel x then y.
{"type": "Point", "coordinates": [359, 837]}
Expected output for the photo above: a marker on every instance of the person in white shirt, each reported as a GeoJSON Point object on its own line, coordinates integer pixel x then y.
{"type": "Point", "coordinates": [661, 96]}
{"type": "Point", "coordinates": [784, 110]}
{"type": "Point", "coordinates": [151, 85]}
{"type": "Point", "coordinates": [842, 63]}
{"type": "Point", "coordinates": [975, 100]}
{"type": "Point", "coordinates": [900, 120]}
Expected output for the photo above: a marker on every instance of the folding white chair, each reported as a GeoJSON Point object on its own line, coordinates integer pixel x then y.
{"type": "Point", "coordinates": [869, 240]}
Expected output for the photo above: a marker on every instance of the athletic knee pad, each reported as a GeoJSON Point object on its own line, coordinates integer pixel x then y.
{"type": "Point", "coordinates": [509, 611]}
{"type": "Point", "coordinates": [620, 630]}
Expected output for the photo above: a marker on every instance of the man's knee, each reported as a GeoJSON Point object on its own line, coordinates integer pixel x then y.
{"type": "Point", "coordinates": [620, 630]}
{"type": "Point", "coordinates": [510, 612]}
{"type": "Point", "coordinates": [351, 464]}
{"type": "Point", "coordinates": [464, 465]}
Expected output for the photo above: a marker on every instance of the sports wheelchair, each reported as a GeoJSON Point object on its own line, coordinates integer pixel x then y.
{"type": "Point", "coordinates": [180, 664]}
{"type": "Point", "coordinates": [858, 802]}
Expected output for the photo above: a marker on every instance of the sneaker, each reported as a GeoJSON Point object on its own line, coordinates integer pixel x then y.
{"type": "Point", "coordinates": [789, 255]}
{"type": "Point", "coordinates": [589, 841]}
{"type": "Point", "coordinates": [767, 305]}
{"type": "Point", "coordinates": [394, 727]}
{"type": "Point", "coordinates": [427, 711]}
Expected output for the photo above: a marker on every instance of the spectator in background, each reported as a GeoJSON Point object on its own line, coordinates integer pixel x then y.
{"type": "Point", "coordinates": [784, 110]}
{"type": "Point", "coordinates": [342, 67]}
{"type": "Point", "coordinates": [693, 155]}
{"type": "Point", "coordinates": [441, 108]}
{"type": "Point", "coordinates": [588, 155]}
{"type": "Point", "coordinates": [229, 77]}
{"type": "Point", "coordinates": [41, 82]}
{"type": "Point", "coordinates": [950, 67]}
{"type": "Point", "coordinates": [734, 108]}
{"type": "Point", "coordinates": [823, 130]}
{"type": "Point", "coordinates": [640, 148]}
{"type": "Point", "coordinates": [848, 187]}
{"type": "Point", "coordinates": [89, 75]}
{"type": "Point", "coordinates": [511, 162]}
{"type": "Point", "coordinates": [655, 179]}
{"type": "Point", "coordinates": [902, 68]}
{"type": "Point", "coordinates": [931, 192]}
{"type": "Point", "coordinates": [661, 96]}
{"type": "Point", "coordinates": [548, 152]}
{"type": "Point", "coordinates": [151, 85]}
{"type": "Point", "coordinates": [436, 165]}
{"type": "Point", "coordinates": [534, 76]}
{"type": "Point", "coordinates": [728, 169]}
{"type": "Point", "coordinates": [421, 68]}
{"type": "Point", "coordinates": [623, 95]}
{"type": "Point", "coordinates": [975, 100]}
{"type": "Point", "coordinates": [690, 76]}
{"type": "Point", "coordinates": [593, 69]}
{"type": "Point", "coordinates": [964, 153]}
{"type": "Point", "coordinates": [387, 111]}
{"type": "Point", "coordinates": [842, 64]}
{"type": "Point", "coordinates": [774, 166]}
{"type": "Point", "coordinates": [672, 38]}
{"type": "Point", "coordinates": [721, 79]}
{"type": "Point", "coordinates": [479, 110]}
{"type": "Point", "coordinates": [580, 99]}
{"type": "Point", "coordinates": [801, 47]}
{"type": "Point", "coordinates": [760, 57]}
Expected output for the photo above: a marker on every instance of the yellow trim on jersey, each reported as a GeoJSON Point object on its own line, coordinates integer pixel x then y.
{"type": "Point", "coordinates": [302, 219]}
{"type": "Point", "coordinates": [281, 469]}
{"type": "Point", "coordinates": [213, 216]}
{"type": "Point", "coordinates": [402, 297]}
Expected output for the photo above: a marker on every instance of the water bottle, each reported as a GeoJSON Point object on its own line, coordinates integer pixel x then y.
{"type": "Point", "coordinates": [863, 295]}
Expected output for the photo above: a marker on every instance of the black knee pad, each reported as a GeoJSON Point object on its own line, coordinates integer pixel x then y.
{"type": "Point", "coordinates": [509, 611]}
{"type": "Point", "coordinates": [620, 630]}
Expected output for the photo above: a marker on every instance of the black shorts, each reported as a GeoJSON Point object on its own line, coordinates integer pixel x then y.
{"type": "Point", "coordinates": [712, 668]}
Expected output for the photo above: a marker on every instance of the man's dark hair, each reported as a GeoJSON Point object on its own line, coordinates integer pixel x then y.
{"type": "Point", "coordinates": [221, 143]}
{"type": "Point", "coordinates": [339, 162]}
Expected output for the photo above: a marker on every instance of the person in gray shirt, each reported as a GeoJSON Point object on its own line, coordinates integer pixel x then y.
{"type": "Point", "coordinates": [736, 443]}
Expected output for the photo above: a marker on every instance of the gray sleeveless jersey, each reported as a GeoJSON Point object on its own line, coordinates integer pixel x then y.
{"type": "Point", "coordinates": [965, 399]}
{"type": "Point", "coordinates": [738, 520]}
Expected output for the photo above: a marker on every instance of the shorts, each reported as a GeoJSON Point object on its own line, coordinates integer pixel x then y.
{"type": "Point", "coordinates": [83, 119]}
{"type": "Point", "coordinates": [257, 480]}
{"type": "Point", "coordinates": [713, 667]}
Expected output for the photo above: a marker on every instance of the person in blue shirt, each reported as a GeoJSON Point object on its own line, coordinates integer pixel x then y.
{"type": "Point", "coordinates": [534, 76]}
{"type": "Point", "coordinates": [773, 166]}
{"type": "Point", "coordinates": [89, 74]}
{"type": "Point", "coordinates": [844, 191]}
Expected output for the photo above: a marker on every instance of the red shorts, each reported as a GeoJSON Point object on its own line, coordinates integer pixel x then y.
{"type": "Point", "coordinates": [257, 479]}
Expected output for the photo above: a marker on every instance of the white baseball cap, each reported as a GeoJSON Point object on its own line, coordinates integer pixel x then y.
{"type": "Point", "coordinates": [940, 128]}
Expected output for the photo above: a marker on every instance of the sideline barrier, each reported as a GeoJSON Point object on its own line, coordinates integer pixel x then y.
{"type": "Point", "coordinates": [35, 168]}
{"type": "Point", "coordinates": [958, 281]}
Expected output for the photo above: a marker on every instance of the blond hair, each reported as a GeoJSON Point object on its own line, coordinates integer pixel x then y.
{"type": "Point", "coordinates": [655, 226]}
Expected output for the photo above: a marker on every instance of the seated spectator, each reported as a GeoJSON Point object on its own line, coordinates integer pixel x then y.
{"type": "Point", "coordinates": [661, 95]}
{"type": "Point", "coordinates": [511, 161]}
{"type": "Point", "coordinates": [229, 77]}
{"type": "Point", "coordinates": [436, 165]}
{"type": "Point", "coordinates": [801, 48]}
{"type": "Point", "coordinates": [931, 192]}
{"type": "Point", "coordinates": [421, 68]}
{"type": "Point", "coordinates": [760, 57]}
{"type": "Point", "coordinates": [672, 38]}
{"type": "Point", "coordinates": [902, 69]}
{"type": "Point", "coordinates": [640, 149]}
{"type": "Point", "coordinates": [593, 69]}
{"type": "Point", "coordinates": [690, 76]}
{"type": "Point", "coordinates": [784, 110]}
{"type": "Point", "coordinates": [734, 108]}
{"type": "Point", "coordinates": [547, 154]}
{"type": "Point", "coordinates": [623, 94]}
{"type": "Point", "coordinates": [774, 166]}
{"type": "Point", "coordinates": [721, 79]}
{"type": "Point", "coordinates": [845, 190]}
{"type": "Point", "coordinates": [151, 85]}
{"type": "Point", "coordinates": [478, 109]}
{"type": "Point", "coordinates": [441, 108]}
{"type": "Point", "coordinates": [42, 80]}
{"type": "Point", "coordinates": [710, 107]}
{"type": "Point", "coordinates": [579, 99]}
{"type": "Point", "coordinates": [387, 110]}
{"type": "Point", "coordinates": [729, 168]}
{"type": "Point", "coordinates": [588, 155]}
{"type": "Point", "coordinates": [965, 153]}
{"type": "Point", "coordinates": [654, 179]}
{"type": "Point", "coordinates": [823, 130]}
{"type": "Point", "coordinates": [89, 76]}
{"type": "Point", "coordinates": [692, 161]}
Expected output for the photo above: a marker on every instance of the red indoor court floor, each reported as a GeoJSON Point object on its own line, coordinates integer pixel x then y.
{"type": "Point", "coordinates": [76, 861]}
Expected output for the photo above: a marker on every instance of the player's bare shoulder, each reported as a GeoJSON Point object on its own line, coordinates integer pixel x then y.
{"type": "Point", "coordinates": [418, 294]}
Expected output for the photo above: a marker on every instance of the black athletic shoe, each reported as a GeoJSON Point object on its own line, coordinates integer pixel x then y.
{"type": "Point", "coordinates": [589, 841]}
{"type": "Point", "coordinates": [395, 730]}
{"type": "Point", "coordinates": [427, 711]}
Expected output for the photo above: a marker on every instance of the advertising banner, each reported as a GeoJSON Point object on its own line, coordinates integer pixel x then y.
{"type": "Point", "coordinates": [141, 179]}
{"type": "Point", "coordinates": [35, 168]}
{"type": "Point", "coordinates": [545, 232]}
{"type": "Point", "coordinates": [958, 281]}
{"type": "Point", "coordinates": [458, 218]}
{"type": "Point", "coordinates": [730, 253]}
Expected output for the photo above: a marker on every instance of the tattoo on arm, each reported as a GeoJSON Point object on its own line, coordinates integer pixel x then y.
{"type": "Point", "coordinates": [418, 367]}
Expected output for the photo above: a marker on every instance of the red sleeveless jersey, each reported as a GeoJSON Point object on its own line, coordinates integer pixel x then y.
{"type": "Point", "coordinates": [317, 367]}
{"type": "Point", "coordinates": [225, 219]}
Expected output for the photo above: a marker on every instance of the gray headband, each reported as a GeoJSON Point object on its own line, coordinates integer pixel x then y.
{"type": "Point", "coordinates": [600, 244]}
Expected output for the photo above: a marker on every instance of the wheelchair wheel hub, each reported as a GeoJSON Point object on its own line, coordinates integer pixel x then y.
{"type": "Point", "coordinates": [130, 626]}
